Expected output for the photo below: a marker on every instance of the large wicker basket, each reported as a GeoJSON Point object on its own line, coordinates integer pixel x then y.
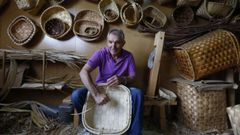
{"type": "Point", "coordinates": [58, 12]}
{"type": "Point", "coordinates": [111, 118]}
{"type": "Point", "coordinates": [208, 54]}
{"type": "Point", "coordinates": [21, 30]}
{"type": "Point", "coordinates": [202, 110]}
{"type": "Point", "coordinates": [234, 116]}
{"type": "Point", "coordinates": [109, 10]}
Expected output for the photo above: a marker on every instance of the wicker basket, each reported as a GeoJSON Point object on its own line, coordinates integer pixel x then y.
{"type": "Point", "coordinates": [109, 10]}
{"type": "Point", "coordinates": [203, 10]}
{"type": "Point", "coordinates": [153, 18]}
{"type": "Point", "coordinates": [25, 4]}
{"type": "Point", "coordinates": [111, 118]}
{"type": "Point", "coordinates": [188, 2]}
{"type": "Point", "coordinates": [208, 54]}
{"type": "Point", "coordinates": [202, 110]}
{"type": "Point", "coordinates": [58, 12]}
{"type": "Point", "coordinates": [54, 27]}
{"type": "Point", "coordinates": [131, 13]}
{"type": "Point", "coordinates": [91, 17]}
{"type": "Point", "coordinates": [21, 30]}
{"type": "Point", "coordinates": [234, 116]}
{"type": "Point", "coordinates": [183, 15]}
{"type": "Point", "coordinates": [36, 9]}
{"type": "Point", "coordinates": [218, 9]}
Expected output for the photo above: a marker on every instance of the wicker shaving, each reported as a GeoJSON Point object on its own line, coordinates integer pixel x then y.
{"type": "Point", "coordinates": [56, 12]}
{"type": "Point", "coordinates": [234, 117]}
{"type": "Point", "coordinates": [36, 9]}
{"type": "Point", "coordinates": [183, 15]}
{"type": "Point", "coordinates": [131, 13]}
{"type": "Point", "coordinates": [204, 110]}
{"type": "Point", "coordinates": [208, 54]}
{"type": "Point", "coordinates": [21, 30]}
{"type": "Point", "coordinates": [111, 118]}
{"type": "Point", "coordinates": [188, 2]}
{"type": "Point", "coordinates": [109, 10]}
{"type": "Point", "coordinates": [153, 18]}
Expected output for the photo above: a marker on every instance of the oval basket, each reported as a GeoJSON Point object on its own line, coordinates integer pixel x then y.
{"type": "Point", "coordinates": [56, 12]}
{"type": "Point", "coordinates": [183, 15]}
{"type": "Point", "coordinates": [131, 13]}
{"type": "Point", "coordinates": [109, 10]}
{"type": "Point", "coordinates": [92, 17]}
{"type": "Point", "coordinates": [36, 9]}
{"type": "Point", "coordinates": [111, 118]}
{"type": "Point", "coordinates": [153, 18]}
{"type": "Point", "coordinates": [21, 30]}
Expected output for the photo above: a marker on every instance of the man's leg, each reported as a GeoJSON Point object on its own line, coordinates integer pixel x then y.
{"type": "Point", "coordinates": [78, 98]}
{"type": "Point", "coordinates": [137, 110]}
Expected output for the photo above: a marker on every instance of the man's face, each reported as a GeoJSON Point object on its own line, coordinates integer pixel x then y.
{"type": "Point", "coordinates": [114, 44]}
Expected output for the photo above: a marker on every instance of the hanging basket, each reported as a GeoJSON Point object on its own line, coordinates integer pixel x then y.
{"type": "Point", "coordinates": [153, 18]}
{"type": "Point", "coordinates": [131, 13]}
{"type": "Point", "coordinates": [111, 118]}
{"type": "Point", "coordinates": [109, 10]}
{"type": "Point", "coordinates": [59, 19]}
{"type": "Point", "coordinates": [183, 15]}
{"type": "Point", "coordinates": [21, 30]}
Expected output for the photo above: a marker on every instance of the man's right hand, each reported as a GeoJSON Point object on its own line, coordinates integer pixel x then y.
{"type": "Point", "coordinates": [101, 99]}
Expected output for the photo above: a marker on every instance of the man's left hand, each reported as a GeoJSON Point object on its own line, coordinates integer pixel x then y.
{"type": "Point", "coordinates": [114, 80]}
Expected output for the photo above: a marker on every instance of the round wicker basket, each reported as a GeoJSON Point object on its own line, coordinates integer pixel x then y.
{"type": "Point", "coordinates": [109, 10]}
{"type": "Point", "coordinates": [60, 13]}
{"type": "Point", "coordinates": [183, 15]}
{"type": "Point", "coordinates": [86, 19]}
{"type": "Point", "coordinates": [54, 27]}
{"type": "Point", "coordinates": [111, 118]}
{"type": "Point", "coordinates": [21, 30]}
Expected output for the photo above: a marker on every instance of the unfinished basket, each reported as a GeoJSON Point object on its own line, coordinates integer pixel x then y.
{"type": "Point", "coordinates": [208, 54]}
{"type": "Point", "coordinates": [91, 17]}
{"type": "Point", "coordinates": [153, 18]}
{"type": "Point", "coordinates": [60, 13]}
{"type": "Point", "coordinates": [203, 10]}
{"type": "Point", "coordinates": [21, 30]}
{"type": "Point", "coordinates": [234, 117]}
{"type": "Point", "coordinates": [131, 13]}
{"type": "Point", "coordinates": [38, 6]}
{"type": "Point", "coordinates": [109, 10]}
{"type": "Point", "coordinates": [188, 2]}
{"type": "Point", "coordinates": [202, 110]}
{"type": "Point", "coordinates": [111, 118]}
{"type": "Point", "coordinates": [183, 15]}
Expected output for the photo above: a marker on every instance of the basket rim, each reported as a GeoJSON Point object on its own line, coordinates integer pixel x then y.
{"type": "Point", "coordinates": [112, 2]}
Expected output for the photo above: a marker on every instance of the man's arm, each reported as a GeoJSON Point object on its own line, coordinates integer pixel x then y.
{"type": "Point", "coordinates": [100, 98]}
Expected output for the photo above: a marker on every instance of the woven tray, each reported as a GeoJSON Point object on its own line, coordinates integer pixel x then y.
{"type": "Point", "coordinates": [92, 17]}
{"type": "Point", "coordinates": [183, 15]}
{"type": "Point", "coordinates": [109, 10]}
{"type": "Point", "coordinates": [21, 30]}
{"type": "Point", "coordinates": [111, 118]}
{"type": "Point", "coordinates": [208, 54]}
{"type": "Point", "coordinates": [153, 18]}
{"type": "Point", "coordinates": [56, 12]}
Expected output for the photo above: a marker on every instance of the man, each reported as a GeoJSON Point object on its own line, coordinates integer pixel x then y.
{"type": "Point", "coordinates": [115, 66]}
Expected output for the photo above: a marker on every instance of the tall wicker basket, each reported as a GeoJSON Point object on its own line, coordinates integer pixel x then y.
{"type": "Point", "coordinates": [208, 54]}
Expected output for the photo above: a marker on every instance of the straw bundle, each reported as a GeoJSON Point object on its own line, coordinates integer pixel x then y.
{"type": "Point", "coordinates": [111, 118]}
{"type": "Point", "coordinates": [21, 30]}
{"type": "Point", "coordinates": [109, 10]}
{"type": "Point", "coordinates": [153, 18]}
{"type": "Point", "coordinates": [234, 117]}
{"type": "Point", "coordinates": [57, 12]}
{"type": "Point", "coordinates": [131, 13]}
{"type": "Point", "coordinates": [88, 25]}
{"type": "Point", "coordinates": [183, 15]}
{"type": "Point", "coordinates": [38, 5]}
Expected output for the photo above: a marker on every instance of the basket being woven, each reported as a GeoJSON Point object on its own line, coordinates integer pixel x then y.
{"type": "Point", "coordinates": [21, 30]}
{"type": "Point", "coordinates": [208, 54]}
{"type": "Point", "coordinates": [109, 10]}
{"type": "Point", "coordinates": [234, 117]}
{"type": "Point", "coordinates": [153, 18]}
{"type": "Point", "coordinates": [202, 110]}
{"type": "Point", "coordinates": [111, 118]}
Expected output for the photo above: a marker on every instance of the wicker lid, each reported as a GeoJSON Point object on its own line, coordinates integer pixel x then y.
{"type": "Point", "coordinates": [21, 30]}
{"type": "Point", "coordinates": [58, 13]}
{"type": "Point", "coordinates": [109, 10]}
{"type": "Point", "coordinates": [183, 15]}
{"type": "Point", "coordinates": [111, 118]}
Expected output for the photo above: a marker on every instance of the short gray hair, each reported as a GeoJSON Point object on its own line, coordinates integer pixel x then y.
{"type": "Point", "coordinates": [117, 32]}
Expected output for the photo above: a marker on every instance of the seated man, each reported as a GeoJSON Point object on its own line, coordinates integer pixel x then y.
{"type": "Point", "coordinates": [115, 66]}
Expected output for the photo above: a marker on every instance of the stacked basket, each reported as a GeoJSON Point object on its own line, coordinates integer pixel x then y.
{"type": "Point", "coordinates": [88, 25]}
{"type": "Point", "coordinates": [21, 30]}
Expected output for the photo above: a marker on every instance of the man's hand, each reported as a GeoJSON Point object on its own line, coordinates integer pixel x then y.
{"type": "Point", "coordinates": [114, 80]}
{"type": "Point", "coordinates": [101, 99]}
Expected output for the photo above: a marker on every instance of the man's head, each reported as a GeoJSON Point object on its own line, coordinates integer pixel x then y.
{"type": "Point", "coordinates": [115, 41]}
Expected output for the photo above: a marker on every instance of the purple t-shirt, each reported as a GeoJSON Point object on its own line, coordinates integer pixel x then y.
{"type": "Point", "coordinates": [107, 67]}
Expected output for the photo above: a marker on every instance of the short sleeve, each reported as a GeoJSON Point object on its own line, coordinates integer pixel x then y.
{"type": "Point", "coordinates": [95, 60]}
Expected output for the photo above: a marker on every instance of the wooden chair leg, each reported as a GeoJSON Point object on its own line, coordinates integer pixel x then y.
{"type": "Point", "coordinates": [75, 119]}
{"type": "Point", "coordinates": [163, 124]}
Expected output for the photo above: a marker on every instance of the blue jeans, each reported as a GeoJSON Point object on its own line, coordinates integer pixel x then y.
{"type": "Point", "coordinates": [78, 99]}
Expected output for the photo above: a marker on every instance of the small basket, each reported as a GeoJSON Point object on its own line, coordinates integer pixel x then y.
{"type": "Point", "coordinates": [183, 15]}
{"type": "Point", "coordinates": [90, 18]}
{"type": "Point", "coordinates": [208, 54]}
{"type": "Point", "coordinates": [153, 18]}
{"type": "Point", "coordinates": [56, 12]}
{"type": "Point", "coordinates": [54, 27]}
{"type": "Point", "coordinates": [193, 3]}
{"type": "Point", "coordinates": [109, 10]}
{"type": "Point", "coordinates": [131, 13]}
{"type": "Point", "coordinates": [234, 117]}
{"type": "Point", "coordinates": [111, 118]}
{"type": "Point", "coordinates": [25, 4]}
{"type": "Point", "coordinates": [21, 30]}
{"type": "Point", "coordinates": [36, 9]}
{"type": "Point", "coordinates": [203, 9]}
